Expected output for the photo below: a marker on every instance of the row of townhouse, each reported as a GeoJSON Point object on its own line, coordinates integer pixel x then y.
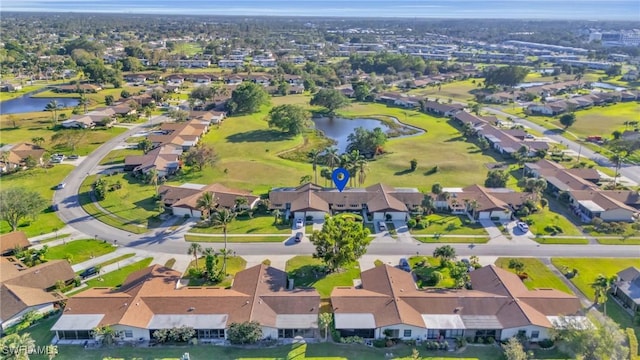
{"type": "Point", "coordinates": [191, 63]}
{"type": "Point", "coordinates": [586, 199]}
{"type": "Point", "coordinates": [581, 102]}
{"type": "Point", "coordinates": [16, 156]}
{"type": "Point", "coordinates": [543, 91]}
{"type": "Point", "coordinates": [387, 301]}
{"type": "Point", "coordinates": [106, 116]}
{"type": "Point", "coordinates": [170, 141]}
{"type": "Point", "coordinates": [504, 141]}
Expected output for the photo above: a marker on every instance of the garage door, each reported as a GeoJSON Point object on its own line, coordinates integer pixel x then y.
{"type": "Point", "coordinates": [484, 215]}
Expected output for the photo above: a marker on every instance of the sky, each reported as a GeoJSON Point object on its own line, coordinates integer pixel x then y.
{"type": "Point", "coordinates": [527, 9]}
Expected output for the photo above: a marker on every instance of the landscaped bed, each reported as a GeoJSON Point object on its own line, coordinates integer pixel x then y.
{"type": "Point", "coordinates": [425, 266]}
{"type": "Point", "coordinates": [309, 272]}
{"type": "Point", "coordinates": [546, 222]}
{"type": "Point", "coordinates": [234, 265]}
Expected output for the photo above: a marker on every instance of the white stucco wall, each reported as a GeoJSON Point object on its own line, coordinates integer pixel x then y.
{"type": "Point", "coordinates": [317, 215]}
{"type": "Point", "coordinates": [616, 215]}
{"type": "Point", "coordinates": [44, 308]}
{"type": "Point", "coordinates": [137, 332]}
{"type": "Point", "coordinates": [501, 215]}
{"type": "Point", "coordinates": [509, 333]}
{"type": "Point", "coordinates": [416, 332]}
{"type": "Point", "coordinates": [269, 332]}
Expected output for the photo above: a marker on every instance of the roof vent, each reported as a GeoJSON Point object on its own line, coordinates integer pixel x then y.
{"type": "Point", "coordinates": [125, 304]}
{"type": "Point", "coordinates": [247, 302]}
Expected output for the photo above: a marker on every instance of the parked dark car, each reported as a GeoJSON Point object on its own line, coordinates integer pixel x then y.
{"type": "Point", "coordinates": [298, 237]}
{"type": "Point", "coordinates": [89, 272]}
{"type": "Point", "coordinates": [404, 265]}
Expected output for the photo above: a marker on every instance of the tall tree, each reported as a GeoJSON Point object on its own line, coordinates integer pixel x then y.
{"type": "Point", "coordinates": [367, 142]}
{"type": "Point", "coordinates": [106, 334]}
{"type": "Point", "coordinates": [324, 321]}
{"type": "Point", "coordinates": [330, 99]}
{"type": "Point", "coordinates": [247, 98]}
{"type": "Point", "coordinates": [201, 156]}
{"type": "Point", "coordinates": [513, 350]}
{"type": "Point", "coordinates": [194, 249]}
{"type": "Point", "coordinates": [38, 140]}
{"type": "Point", "coordinates": [19, 203]}
{"type": "Point", "coordinates": [340, 242]}
{"type": "Point", "coordinates": [331, 157]}
{"type": "Point", "coordinates": [592, 342]}
{"type": "Point", "coordinates": [154, 177]}
{"type": "Point", "coordinates": [17, 346]}
{"type": "Point", "coordinates": [314, 155]}
{"type": "Point", "coordinates": [53, 106]}
{"type": "Point", "coordinates": [222, 219]}
{"type": "Point", "coordinates": [293, 119]}
{"type": "Point", "coordinates": [445, 253]}
{"type": "Point", "coordinates": [567, 120]}
{"type": "Point", "coordinates": [601, 287]}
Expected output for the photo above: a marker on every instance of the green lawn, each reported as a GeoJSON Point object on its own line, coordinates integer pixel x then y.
{"type": "Point", "coordinates": [115, 157]}
{"type": "Point", "coordinates": [544, 219]}
{"type": "Point", "coordinates": [259, 224]}
{"type": "Point", "coordinates": [590, 268]}
{"type": "Point", "coordinates": [555, 240]}
{"type": "Point", "coordinates": [444, 239]}
{"type": "Point", "coordinates": [39, 124]}
{"type": "Point", "coordinates": [456, 90]}
{"type": "Point", "coordinates": [430, 264]}
{"type": "Point", "coordinates": [449, 225]}
{"type": "Point", "coordinates": [42, 181]}
{"type": "Point", "coordinates": [80, 250]}
{"type": "Point", "coordinates": [309, 272]}
{"type": "Point", "coordinates": [319, 351]}
{"type": "Point", "coordinates": [234, 265]}
{"type": "Point", "coordinates": [116, 259]}
{"type": "Point", "coordinates": [619, 241]}
{"type": "Point", "coordinates": [234, 239]}
{"type": "Point", "coordinates": [540, 277]}
{"type": "Point", "coordinates": [116, 278]}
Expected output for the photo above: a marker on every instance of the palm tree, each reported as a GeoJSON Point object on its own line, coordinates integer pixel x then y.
{"type": "Point", "coordinates": [194, 249]}
{"type": "Point", "coordinates": [618, 157]}
{"type": "Point", "coordinates": [444, 253]}
{"type": "Point", "coordinates": [53, 106]}
{"type": "Point", "coordinates": [601, 287]}
{"type": "Point", "coordinates": [276, 216]}
{"type": "Point", "coordinates": [153, 178]}
{"type": "Point", "coordinates": [324, 320]}
{"type": "Point", "coordinates": [314, 154]}
{"type": "Point", "coordinates": [362, 166]}
{"type": "Point", "coordinates": [222, 219]}
{"type": "Point", "coordinates": [17, 346]}
{"type": "Point", "coordinates": [38, 140]}
{"type": "Point", "coordinates": [326, 174]}
{"type": "Point", "coordinates": [84, 102]}
{"type": "Point", "coordinates": [354, 156]}
{"type": "Point", "coordinates": [106, 334]}
{"type": "Point", "coordinates": [331, 157]}
{"type": "Point", "coordinates": [207, 202]}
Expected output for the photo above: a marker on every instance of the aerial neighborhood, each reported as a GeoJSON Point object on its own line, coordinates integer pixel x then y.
{"type": "Point", "coordinates": [176, 186]}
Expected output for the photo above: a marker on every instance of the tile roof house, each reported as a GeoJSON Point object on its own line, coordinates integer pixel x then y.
{"type": "Point", "coordinates": [13, 157]}
{"type": "Point", "coordinates": [186, 134]}
{"type": "Point", "coordinates": [183, 199]}
{"type": "Point", "coordinates": [13, 240]}
{"type": "Point", "coordinates": [164, 159]}
{"type": "Point", "coordinates": [499, 306]}
{"type": "Point", "coordinates": [627, 288]}
{"type": "Point", "coordinates": [24, 289]}
{"type": "Point", "coordinates": [482, 203]}
{"type": "Point", "coordinates": [149, 300]}
{"type": "Point", "coordinates": [381, 201]}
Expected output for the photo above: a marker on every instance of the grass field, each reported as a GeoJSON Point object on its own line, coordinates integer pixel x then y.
{"type": "Point", "coordinates": [442, 239]}
{"type": "Point", "coordinates": [308, 272]}
{"type": "Point", "coordinates": [39, 124]}
{"type": "Point", "coordinates": [42, 181]}
{"type": "Point", "coordinates": [619, 241]}
{"type": "Point", "coordinates": [449, 225]}
{"type": "Point", "coordinates": [79, 250]}
{"type": "Point", "coordinates": [260, 224]}
{"type": "Point", "coordinates": [116, 278]}
{"type": "Point", "coordinates": [590, 268]}
{"type": "Point", "coordinates": [540, 277]}
{"type": "Point", "coordinates": [457, 91]}
{"type": "Point", "coordinates": [234, 265]}
{"type": "Point", "coordinates": [554, 240]}
{"type": "Point", "coordinates": [116, 157]}
{"type": "Point", "coordinates": [545, 218]}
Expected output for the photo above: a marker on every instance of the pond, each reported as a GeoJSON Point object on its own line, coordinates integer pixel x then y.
{"type": "Point", "coordinates": [338, 129]}
{"type": "Point", "coordinates": [25, 104]}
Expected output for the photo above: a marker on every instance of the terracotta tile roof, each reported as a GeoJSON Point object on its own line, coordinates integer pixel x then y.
{"type": "Point", "coordinates": [390, 295]}
{"type": "Point", "coordinates": [16, 298]}
{"type": "Point", "coordinates": [13, 240]}
{"type": "Point", "coordinates": [42, 276]}
{"type": "Point", "coordinates": [258, 294]}
{"type": "Point", "coordinates": [188, 197]}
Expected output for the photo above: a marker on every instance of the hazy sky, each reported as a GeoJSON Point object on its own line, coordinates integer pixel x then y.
{"type": "Point", "coordinates": [532, 9]}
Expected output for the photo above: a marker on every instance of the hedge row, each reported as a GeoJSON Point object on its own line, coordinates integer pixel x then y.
{"type": "Point", "coordinates": [633, 344]}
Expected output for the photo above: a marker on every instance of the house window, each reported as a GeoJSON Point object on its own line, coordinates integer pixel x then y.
{"type": "Point", "coordinates": [340, 205]}
{"type": "Point", "coordinates": [522, 333]}
{"type": "Point", "coordinates": [407, 333]}
{"type": "Point", "coordinates": [128, 333]}
{"type": "Point", "coordinates": [392, 333]}
{"type": "Point", "coordinates": [535, 334]}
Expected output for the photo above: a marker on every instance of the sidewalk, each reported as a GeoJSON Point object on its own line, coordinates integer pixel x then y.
{"type": "Point", "coordinates": [181, 263]}
{"type": "Point", "coordinates": [73, 235]}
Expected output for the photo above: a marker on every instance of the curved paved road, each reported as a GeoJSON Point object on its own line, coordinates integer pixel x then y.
{"type": "Point", "coordinates": [630, 171]}
{"type": "Point", "coordinates": [72, 213]}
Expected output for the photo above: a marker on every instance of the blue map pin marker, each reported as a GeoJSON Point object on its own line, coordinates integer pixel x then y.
{"type": "Point", "coordinates": [340, 177]}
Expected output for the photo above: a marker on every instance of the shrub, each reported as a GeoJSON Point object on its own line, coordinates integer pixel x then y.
{"type": "Point", "coordinates": [412, 223]}
{"type": "Point", "coordinates": [352, 340]}
{"type": "Point", "coordinates": [489, 340]}
{"type": "Point", "coordinates": [633, 344]}
{"type": "Point", "coordinates": [378, 262]}
{"type": "Point", "coordinates": [266, 262]}
{"type": "Point", "coordinates": [410, 342]}
{"type": "Point", "coordinates": [461, 342]}
{"type": "Point", "coordinates": [546, 343]}
{"type": "Point", "coordinates": [379, 343]}
{"type": "Point", "coordinates": [422, 225]}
